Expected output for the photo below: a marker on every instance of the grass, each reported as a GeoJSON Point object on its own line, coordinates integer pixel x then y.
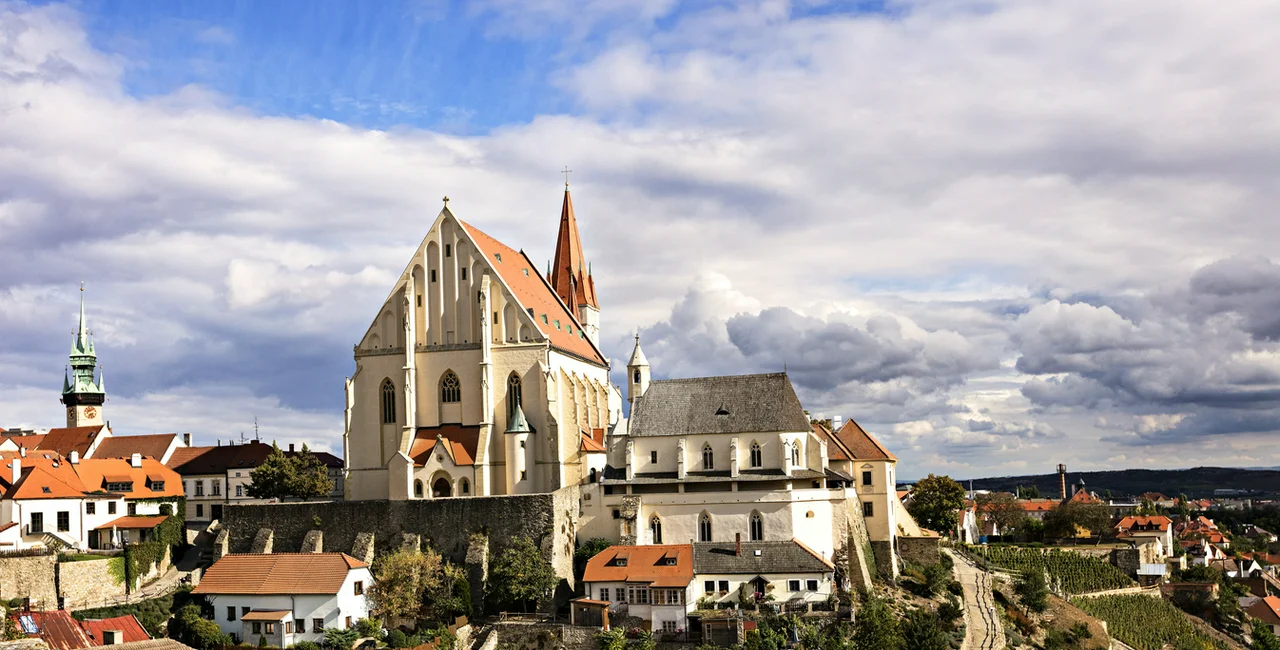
{"type": "Point", "coordinates": [81, 557]}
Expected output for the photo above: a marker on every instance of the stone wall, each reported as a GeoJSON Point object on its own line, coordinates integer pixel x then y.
{"type": "Point", "coordinates": [83, 585]}
{"type": "Point", "coordinates": [538, 636]}
{"type": "Point", "coordinates": [29, 577]}
{"type": "Point", "coordinates": [1127, 560]}
{"type": "Point", "coordinates": [920, 550]}
{"type": "Point", "coordinates": [862, 559]}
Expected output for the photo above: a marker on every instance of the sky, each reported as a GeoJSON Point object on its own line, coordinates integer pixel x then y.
{"type": "Point", "coordinates": [1000, 234]}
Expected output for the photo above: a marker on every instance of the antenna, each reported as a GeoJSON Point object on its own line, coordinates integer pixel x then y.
{"type": "Point", "coordinates": [256, 437]}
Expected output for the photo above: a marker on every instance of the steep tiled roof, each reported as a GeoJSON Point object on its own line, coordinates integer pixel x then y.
{"type": "Point", "coordinates": [1266, 609]}
{"type": "Point", "coordinates": [589, 445]}
{"type": "Point", "coordinates": [733, 404]}
{"type": "Point", "coordinates": [1138, 523]}
{"type": "Point", "coordinates": [757, 558]}
{"type": "Point", "coordinates": [68, 439]}
{"type": "Point", "coordinates": [1037, 505]}
{"type": "Point", "coordinates": [569, 277]}
{"type": "Point", "coordinates": [862, 444]}
{"type": "Point", "coordinates": [130, 627]}
{"type": "Point", "coordinates": [278, 574]}
{"type": "Point", "coordinates": [95, 473]}
{"type": "Point", "coordinates": [460, 442]}
{"type": "Point", "coordinates": [152, 444]}
{"type": "Point", "coordinates": [533, 291]}
{"type": "Point", "coordinates": [57, 629]}
{"type": "Point", "coordinates": [836, 449]}
{"type": "Point", "coordinates": [44, 476]}
{"type": "Point", "coordinates": [199, 461]}
{"type": "Point", "coordinates": [1083, 496]}
{"type": "Point", "coordinates": [669, 565]}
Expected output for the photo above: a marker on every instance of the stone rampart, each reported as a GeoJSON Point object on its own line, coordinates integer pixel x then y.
{"type": "Point", "coordinates": [29, 577]}
{"type": "Point", "coordinates": [920, 550]}
{"type": "Point", "coordinates": [87, 584]}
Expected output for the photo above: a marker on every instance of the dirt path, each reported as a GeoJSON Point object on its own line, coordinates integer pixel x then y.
{"type": "Point", "coordinates": [983, 630]}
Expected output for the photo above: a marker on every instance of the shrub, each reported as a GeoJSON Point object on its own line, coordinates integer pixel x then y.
{"type": "Point", "coordinates": [336, 638]}
{"type": "Point", "coordinates": [614, 639]}
{"type": "Point", "coordinates": [306, 645]}
{"type": "Point", "coordinates": [368, 627]}
{"type": "Point", "coordinates": [397, 639]}
{"type": "Point", "coordinates": [1033, 591]}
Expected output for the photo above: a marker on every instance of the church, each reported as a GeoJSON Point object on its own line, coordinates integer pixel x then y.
{"type": "Point", "coordinates": [479, 375]}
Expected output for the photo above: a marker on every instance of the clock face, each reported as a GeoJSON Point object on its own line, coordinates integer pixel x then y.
{"type": "Point", "coordinates": [90, 412]}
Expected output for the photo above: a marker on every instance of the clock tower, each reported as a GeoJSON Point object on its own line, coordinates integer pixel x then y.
{"type": "Point", "coordinates": [82, 394]}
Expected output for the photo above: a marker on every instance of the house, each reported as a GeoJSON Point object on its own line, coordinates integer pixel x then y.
{"type": "Point", "coordinates": [651, 583]}
{"type": "Point", "coordinates": [1037, 508]}
{"type": "Point", "coordinates": [114, 631]}
{"type": "Point", "coordinates": [159, 446]}
{"type": "Point", "coordinates": [282, 598]}
{"type": "Point", "coordinates": [1267, 610]}
{"type": "Point", "coordinates": [1137, 527]}
{"type": "Point", "coordinates": [56, 628]}
{"type": "Point", "coordinates": [1254, 532]}
{"type": "Point", "coordinates": [786, 572]}
{"type": "Point", "coordinates": [217, 475]}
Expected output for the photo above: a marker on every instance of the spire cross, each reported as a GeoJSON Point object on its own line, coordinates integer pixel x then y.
{"type": "Point", "coordinates": [566, 171]}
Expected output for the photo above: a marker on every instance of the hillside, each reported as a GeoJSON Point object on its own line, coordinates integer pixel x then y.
{"type": "Point", "coordinates": [1195, 482]}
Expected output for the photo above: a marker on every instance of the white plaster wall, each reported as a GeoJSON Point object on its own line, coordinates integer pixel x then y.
{"type": "Point", "coordinates": [332, 608]}
{"type": "Point", "coordinates": [785, 516]}
{"type": "Point", "coordinates": [780, 591]}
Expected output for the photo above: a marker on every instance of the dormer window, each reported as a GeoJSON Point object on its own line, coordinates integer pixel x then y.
{"type": "Point", "coordinates": [619, 561]}
{"type": "Point", "coordinates": [156, 486]}
{"type": "Point", "coordinates": [120, 486]}
{"type": "Point", "coordinates": [498, 256]}
{"type": "Point", "coordinates": [544, 319]}
{"type": "Point", "coordinates": [526, 272]}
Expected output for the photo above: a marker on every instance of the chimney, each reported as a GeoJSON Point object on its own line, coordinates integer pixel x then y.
{"type": "Point", "coordinates": [17, 471]}
{"type": "Point", "coordinates": [186, 439]}
{"type": "Point", "coordinates": [219, 442]}
{"type": "Point", "coordinates": [1062, 479]}
{"type": "Point", "coordinates": [74, 457]}
{"type": "Point", "coordinates": [835, 423]}
{"type": "Point", "coordinates": [22, 451]}
{"type": "Point", "coordinates": [737, 544]}
{"type": "Point", "coordinates": [291, 447]}
{"type": "Point", "coordinates": [135, 460]}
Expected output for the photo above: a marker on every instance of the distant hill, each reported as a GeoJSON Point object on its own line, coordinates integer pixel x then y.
{"type": "Point", "coordinates": [1195, 482]}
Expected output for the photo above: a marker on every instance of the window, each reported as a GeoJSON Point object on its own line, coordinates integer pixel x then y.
{"type": "Point", "coordinates": [239, 490]}
{"type": "Point", "coordinates": [757, 527]}
{"type": "Point", "coordinates": [199, 509]}
{"type": "Point", "coordinates": [655, 527]}
{"type": "Point", "coordinates": [111, 507]}
{"type": "Point", "coordinates": [639, 595]}
{"type": "Point", "coordinates": [317, 624]}
{"type": "Point", "coordinates": [704, 528]}
{"type": "Point", "coordinates": [866, 478]}
{"type": "Point", "coordinates": [653, 456]}
{"type": "Point", "coordinates": [448, 252]}
{"type": "Point", "coordinates": [450, 388]}
{"type": "Point", "coordinates": [271, 627]}
{"type": "Point", "coordinates": [793, 585]}
{"type": "Point", "coordinates": [811, 585]}
{"type": "Point", "coordinates": [243, 611]}
{"type": "Point", "coordinates": [257, 627]}
{"type": "Point", "coordinates": [757, 457]}
{"type": "Point", "coordinates": [795, 454]}
{"type": "Point", "coordinates": [199, 488]}
{"type": "Point", "coordinates": [617, 514]}
{"type": "Point", "coordinates": [498, 256]}
{"type": "Point", "coordinates": [708, 458]}
{"type": "Point", "coordinates": [300, 624]}
{"type": "Point", "coordinates": [418, 298]}
{"type": "Point", "coordinates": [90, 508]}
{"type": "Point", "coordinates": [669, 627]}
{"type": "Point", "coordinates": [544, 319]}
{"type": "Point", "coordinates": [359, 588]}
{"type": "Point", "coordinates": [524, 475]}
{"type": "Point", "coordinates": [417, 488]}
{"type": "Point", "coordinates": [231, 614]}
{"type": "Point", "coordinates": [724, 586]}
{"type": "Point", "coordinates": [288, 627]}
{"type": "Point", "coordinates": [64, 521]}
{"type": "Point", "coordinates": [515, 394]}
{"type": "Point", "coordinates": [557, 323]}
{"type": "Point", "coordinates": [132, 509]}
{"type": "Point", "coordinates": [464, 273]}
{"type": "Point", "coordinates": [621, 595]}
{"type": "Point", "coordinates": [37, 522]}
{"type": "Point", "coordinates": [709, 587]}
{"type": "Point", "coordinates": [216, 484]}
{"type": "Point", "coordinates": [636, 376]}
{"type": "Point", "coordinates": [433, 275]}
{"type": "Point", "coordinates": [120, 487]}
{"type": "Point", "coordinates": [604, 593]}
{"type": "Point", "coordinates": [388, 402]}
{"type": "Point", "coordinates": [868, 509]}
{"type": "Point", "coordinates": [464, 486]}
{"type": "Point", "coordinates": [348, 622]}
{"type": "Point", "coordinates": [522, 444]}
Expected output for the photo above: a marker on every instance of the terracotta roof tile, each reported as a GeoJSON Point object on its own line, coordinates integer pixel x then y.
{"type": "Point", "coordinates": [1139, 523]}
{"type": "Point", "coordinates": [152, 444]}
{"type": "Point", "coordinates": [44, 478]}
{"type": "Point", "coordinates": [199, 461]}
{"type": "Point", "coordinates": [134, 522]}
{"type": "Point", "coordinates": [57, 629]}
{"type": "Point", "coordinates": [460, 444]}
{"type": "Point", "coordinates": [68, 439]}
{"type": "Point", "coordinates": [862, 444]}
{"type": "Point", "coordinates": [95, 473]}
{"type": "Point", "coordinates": [645, 564]}
{"type": "Point", "coordinates": [266, 615]}
{"type": "Point", "coordinates": [128, 625]}
{"type": "Point", "coordinates": [589, 445]}
{"type": "Point", "coordinates": [278, 574]}
{"type": "Point", "coordinates": [836, 449]}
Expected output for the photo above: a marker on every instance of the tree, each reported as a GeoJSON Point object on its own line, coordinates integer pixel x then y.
{"type": "Point", "coordinates": [192, 629]}
{"type": "Point", "coordinates": [876, 628]}
{"type": "Point", "coordinates": [450, 596]}
{"type": "Point", "coordinates": [1263, 637]}
{"type": "Point", "coordinates": [1069, 518]}
{"type": "Point", "coordinates": [922, 630]}
{"type": "Point", "coordinates": [337, 638]}
{"type": "Point", "coordinates": [299, 475]}
{"type": "Point", "coordinates": [936, 502]}
{"type": "Point", "coordinates": [1004, 509]}
{"type": "Point", "coordinates": [521, 575]}
{"type": "Point", "coordinates": [1033, 591]}
{"type": "Point", "coordinates": [401, 581]}
{"type": "Point", "coordinates": [1032, 492]}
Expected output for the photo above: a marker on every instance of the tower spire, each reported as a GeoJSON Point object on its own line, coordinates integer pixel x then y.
{"type": "Point", "coordinates": [82, 394]}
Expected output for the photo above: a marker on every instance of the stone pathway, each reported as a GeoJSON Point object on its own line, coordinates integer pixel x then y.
{"type": "Point", "coordinates": [983, 630]}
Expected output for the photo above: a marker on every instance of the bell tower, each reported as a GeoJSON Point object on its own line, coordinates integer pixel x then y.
{"type": "Point", "coordinates": [637, 374]}
{"type": "Point", "coordinates": [82, 394]}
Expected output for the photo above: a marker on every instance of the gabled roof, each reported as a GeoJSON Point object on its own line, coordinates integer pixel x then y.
{"type": "Point", "coordinates": [836, 449]}
{"type": "Point", "coordinates": [1266, 609]}
{"type": "Point", "coordinates": [129, 626]}
{"type": "Point", "coordinates": [861, 444]}
{"type": "Point", "coordinates": [278, 574]}
{"type": "Point", "coordinates": [458, 441]}
{"type": "Point", "coordinates": [65, 440]}
{"type": "Point", "coordinates": [533, 291]}
{"type": "Point", "coordinates": [589, 445]}
{"type": "Point", "coordinates": [658, 565]}
{"type": "Point", "coordinates": [199, 461]}
{"type": "Point", "coordinates": [757, 558]}
{"type": "Point", "coordinates": [1138, 523]}
{"type": "Point", "coordinates": [1037, 505]}
{"type": "Point", "coordinates": [733, 404]}
{"type": "Point", "coordinates": [154, 445]}
{"type": "Point", "coordinates": [95, 473]}
{"type": "Point", "coordinates": [56, 628]}
{"type": "Point", "coordinates": [45, 475]}
{"type": "Point", "coordinates": [1083, 496]}
{"type": "Point", "coordinates": [134, 522]}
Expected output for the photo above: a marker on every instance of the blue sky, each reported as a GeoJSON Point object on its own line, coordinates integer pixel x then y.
{"type": "Point", "coordinates": [1001, 234]}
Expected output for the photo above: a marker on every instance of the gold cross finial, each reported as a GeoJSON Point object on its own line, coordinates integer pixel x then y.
{"type": "Point", "coordinates": [566, 171]}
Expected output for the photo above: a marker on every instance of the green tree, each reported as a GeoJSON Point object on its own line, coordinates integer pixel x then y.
{"type": "Point", "coordinates": [337, 638]}
{"type": "Point", "coordinates": [936, 503]}
{"type": "Point", "coordinates": [1263, 637]}
{"type": "Point", "coordinates": [876, 628]}
{"type": "Point", "coordinates": [1067, 519]}
{"type": "Point", "coordinates": [1032, 492]}
{"type": "Point", "coordinates": [444, 598]}
{"type": "Point", "coordinates": [281, 476]}
{"type": "Point", "coordinates": [401, 581]}
{"type": "Point", "coordinates": [192, 629]}
{"type": "Point", "coordinates": [1004, 509]}
{"type": "Point", "coordinates": [612, 639]}
{"type": "Point", "coordinates": [521, 575]}
{"type": "Point", "coordinates": [922, 630]}
{"type": "Point", "coordinates": [1033, 591]}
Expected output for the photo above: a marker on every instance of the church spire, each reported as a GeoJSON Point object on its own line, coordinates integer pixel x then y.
{"type": "Point", "coordinates": [567, 268]}
{"type": "Point", "coordinates": [82, 393]}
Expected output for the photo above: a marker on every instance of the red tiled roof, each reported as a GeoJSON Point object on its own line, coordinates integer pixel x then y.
{"type": "Point", "coordinates": [69, 439]}
{"type": "Point", "coordinates": [460, 444]}
{"type": "Point", "coordinates": [1037, 505]}
{"type": "Point", "coordinates": [95, 473]}
{"type": "Point", "coordinates": [129, 626]}
{"type": "Point", "coordinates": [1082, 496]}
{"type": "Point", "coordinates": [861, 444]}
{"type": "Point", "coordinates": [533, 291]}
{"type": "Point", "coordinates": [1158, 522]}
{"type": "Point", "coordinates": [643, 564]}
{"type": "Point", "coordinates": [569, 277]}
{"type": "Point", "coordinates": [44, 476]}
{"type": "Point", "coordinates": [134, 522]}
{"type": "Point", "coordinates": [1266, 609]}
{"type": "Point", "coordinates": [589, 445]}
{"type": "Point", "coordinates": [152, 444]}
{"type": "Point", "coordinates": [278, 574]}
{"type": "Point", "coordinates": [57, 629]}
{"type": "Point", "coordinates": [836, 449]}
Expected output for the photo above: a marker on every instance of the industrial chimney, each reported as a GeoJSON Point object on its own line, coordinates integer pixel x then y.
{"type": "Point", "coordinates": [1062, 479]}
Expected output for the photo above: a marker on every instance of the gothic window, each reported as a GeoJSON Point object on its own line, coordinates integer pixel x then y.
{"type": "Point", "coordinates": [450, 388]}
{"type": "Point", "coordinates": [448, 250]}
{"type": "Point", "coordinates": [433, 275]}
{"type": "Point", "coordinates": [464, 487]}
{"type": "Point", "coordinates": [464, 272]}
{"type": "Point", "coordinates": [757, 527]}
{"type": "Point", "coordinates": [795, 454]}
{"type": "Point", "coordinates": [708, 458]}
{"type": "Point", "coordinates": [704, 528]}
{"type": "Point", "coordinates": [388, 402]}
{"type": "Point", "coordinates": [515, 394]}
{"type": "Point", "coordinates": [637, 376]}
{"type": "Point", "coordinates": [417, 488]}
{"type": "Point", "coordinates": [655, 527]}
{"type": "Point", "coordinates": [757, 458]}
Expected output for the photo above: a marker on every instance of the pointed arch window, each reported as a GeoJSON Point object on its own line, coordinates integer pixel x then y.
{"type": "Point", "coordinates": [708, 458]}
{"type": "Point", "coordinates": [388, 402]}
{"type": "Point", "coordinates": [757, 456]}
{"type": "Point", "coordinates": [757, 527]}
{"type": "Point", "coordinates": [795, 454]}
{"type": "Point", "coordinates": [515, 394]}
{"type": "Point", "coordinates": [464, 486]}
{"type": "Point", "coordinates": [450, 388]}
{"type": "Point", "coordinates": [636, 376]}
{"type": "Point", "coordinates": [704, 528]}
{"type": "Point", "coordinates": [655, 528]}
{"type": "Point", "coordinates": [417, 488]}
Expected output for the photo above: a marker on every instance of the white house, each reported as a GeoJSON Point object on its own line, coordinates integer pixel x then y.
{"type": "Point", "coordinates": [650, 582]}
{"type": "Point", "coordinates": [784, 572]}
{"type": "Point", "coordinates": [286, 597]}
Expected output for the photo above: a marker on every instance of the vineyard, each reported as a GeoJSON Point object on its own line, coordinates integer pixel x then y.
{"type": "Point", "coordinates": [1069, 573]}
{"type": "Point", "coordinates": [1147, 623]}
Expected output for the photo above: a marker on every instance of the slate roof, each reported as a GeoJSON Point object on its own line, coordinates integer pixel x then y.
{"type": "Point", "coordinates": [733, 404]}
{"type": "Point", "coordinates": [774, 557]}
{"type": "Point", "coordinates": [278, 574]}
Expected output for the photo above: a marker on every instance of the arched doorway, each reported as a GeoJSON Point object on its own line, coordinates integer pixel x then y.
{"type": "Point", "coordinates": [441, 488]}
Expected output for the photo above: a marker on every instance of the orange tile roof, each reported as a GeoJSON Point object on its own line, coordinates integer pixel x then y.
{"type": "Point", "coordinates": [266, 614]}
{"type": "Point", "coordinates": [571, 281]}
{"type": "Point", "coordinates": [30, 441]}
{"type": "Point", "coordinates": [861, 444]}
{"type": "Point", "coordinates": [278, 574]}
{"type": "Point", "coordinates": [57, 629]}
{"type": "Point", "coordinates": [643, 564]}
{"type": "Point", "coordinates": [1266, 609]}
{"type": "Point", "coordinates": [460, 443]}
{"type": "Point", "coordinates": [128, 625]}
{"type": "Point", "coordinates": [1037, 505]}
{"type": "Point", "coordinates": [589, 445]}
{"type": "Point", "coordinates": [533, 291]}
{"type": "Point", "coordinates": [1158, 522]}
{"type": "Point", "coordinates": [68, 439]}
{"type": "Point", "coordinates": [44, 477]}
{"type": "Point", "coordinates": [836, 449]}
{"type": "Point", "coordinates": [134, 522]}
{"type": "Point", "coordinates": [1081, 496]}
{"type": "Point", "coordinates": [95, 473]}
{"type": "Point", "coordinates": [151, 444]}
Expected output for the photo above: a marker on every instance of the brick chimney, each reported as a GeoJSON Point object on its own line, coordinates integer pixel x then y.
{"type": "Point", "coordinates": [1062, 479]}
{"type": "Point", "coordinates": [737, 541]}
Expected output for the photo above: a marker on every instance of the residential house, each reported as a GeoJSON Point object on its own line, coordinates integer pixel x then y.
{"type": "Point", "coordinates": [114, 631]}
{"type": "Point", "coordinates": [1267, 610]}
{"type": "Point", "coordinates": [1256, 533]}
{"type": "Point", "coordinates": [60, 631]}
{"type": "Point", "coordinates": [1037, 508]}
{"type": "Point", "coordinates": [217, 475]}
{"type": "Point", "coordinates": [1139, 528]}
{"type": "Point", "coordinates": [651, 583]}
{"type": "Point", "coordinates": [785, 572]}
{"type": "Point", "coordinates": [279, 599]}
{"type": "Point", "coordinates": [159, 446]}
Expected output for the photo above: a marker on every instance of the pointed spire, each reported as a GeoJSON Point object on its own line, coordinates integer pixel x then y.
{"type": "Point", "coordinates": [637, 355]}
{"type": "Point", "coordinates": [518, 423]}
{"type": "Point", "coordinates": [83, 344]}
{"type": "Point", "coordinates": [568, 264]}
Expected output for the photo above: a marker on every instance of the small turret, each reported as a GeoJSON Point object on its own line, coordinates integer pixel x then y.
{"type": "Point", "coordinates": [637, 374]}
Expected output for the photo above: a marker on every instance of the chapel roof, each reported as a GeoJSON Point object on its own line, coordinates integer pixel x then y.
{"type": "Point", "coordinates": [459, 442]}
{"type": "Point", "coordinates": [861, 444]}
{"type": "Point", "coordinates": [731, 404]}
{"type": "Point", "coordinates": [571, 281]}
